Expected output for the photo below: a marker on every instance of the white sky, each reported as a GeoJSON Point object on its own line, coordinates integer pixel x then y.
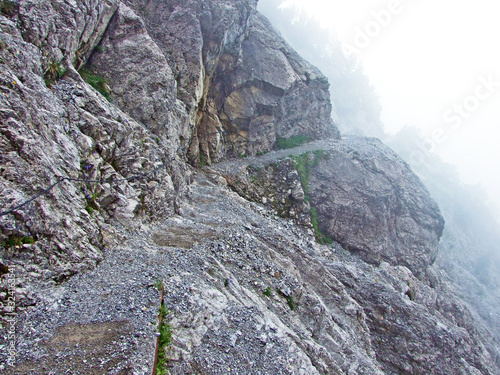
{"type": "Point", "coordinates": [424, 58]}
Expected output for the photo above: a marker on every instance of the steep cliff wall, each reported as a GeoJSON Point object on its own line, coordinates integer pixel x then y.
{"type": "Point", "coordinates": [360, 193]}
{"type": "Point", "coordinates": [182, 81]}
{"type": "Point", "coordinates": [113, 105]}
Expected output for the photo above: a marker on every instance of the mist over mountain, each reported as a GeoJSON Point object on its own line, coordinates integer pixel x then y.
{"type": "Point", "coordinates": [470, 247]}
{"type": "Point", "coordinates": [356, 108]}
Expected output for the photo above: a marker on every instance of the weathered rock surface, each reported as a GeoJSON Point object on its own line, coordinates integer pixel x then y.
{"type": "Point", "coordinates": [365, 197]}
{"type": "Point", "coordinates": [368, 199]}
{"type": "Point", "coordinates": [276, 185]}
{"type": "Point", "coordinates": [248, 293]}
{"type": "Point", "coordinates": [268, 92]}
{"type": "Point", "coordinates": [196, 81]}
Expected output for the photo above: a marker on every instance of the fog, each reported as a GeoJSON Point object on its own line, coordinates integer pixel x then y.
{"type": "Point", "coordinates": [425, 79]}
{"type": "Point", "coordinates": [434, 66]}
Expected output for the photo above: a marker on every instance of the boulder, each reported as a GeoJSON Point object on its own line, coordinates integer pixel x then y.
{"type": "Point", "coordinates": [369, 199]}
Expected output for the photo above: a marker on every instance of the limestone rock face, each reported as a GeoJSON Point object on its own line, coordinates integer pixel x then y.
{"type": "Point", "coordinates": [368, 199]}
{"type": "Point", "coordinates": [241, 84]}
{"type": "Point", "coordinates": [66, 129]}
{"type": "Point", "coordinates": [65, 30]}
{"type": "Point", "coordinates": [363, 196]}
{"type": "Point", "coordinates": [268, 92]}
{"type": "Point", "coordinates": [140, 79]}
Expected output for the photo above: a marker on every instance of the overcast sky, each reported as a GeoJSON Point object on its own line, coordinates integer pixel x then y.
{"type": "Point", "coordinates": [435, 65]}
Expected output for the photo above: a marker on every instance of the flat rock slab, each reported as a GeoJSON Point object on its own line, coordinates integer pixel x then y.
{"type": "Point", "coordinates": [183, 236]}
{"type": "Point", "coordinates": [83, 349]}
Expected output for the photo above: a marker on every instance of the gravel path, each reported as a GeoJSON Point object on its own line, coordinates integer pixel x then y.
{"type": "Point", "coordinates": [104, 321]}
{"type": "Point", "coordinates": [235, 165]}
{"type": "Point", "coordinates": [99, 322]}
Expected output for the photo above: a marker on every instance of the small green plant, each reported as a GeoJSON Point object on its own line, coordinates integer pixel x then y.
{"type": "Point", "coordinates": [164, 341]}
{"type": "Point", "coordinates": [254, 179]}
{"type": "Point", "coordinates": [291, 302]}
{"type": "Point", "coordinates": [268, 292]}
{"type": "Point", "coordinates": [91, 195]}
{"type": "Point", "coordinates": [55, 71]}
{"type": "Point", "coordinates": [159, 285]}
{"type": "Point", "coordinates": [92, 203]}
{"type": "Point", "coordinates": [96, 81]}
{"type": "Point", "coordinates": [292, 142]}
{"type": "Point", "coordinates": [226, 283]}
{"type": "Point", "coordinates": [7, 8]}
{"type": "Point", "coordinates": [99, 49]}
{"type": "Point", "coordinates": [203, 160]}
{"type": "Point", "coordinates": [321, 238]}
{"type": "Point", "coordinates": [304, 164]}
{"type": "Point", "coordinates": [17, 241]}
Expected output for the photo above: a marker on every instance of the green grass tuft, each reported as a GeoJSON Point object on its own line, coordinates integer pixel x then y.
{"type": "Point", "coordinates": [292, 142]}
{"type": "Point", "coordinates": [159, 284]}
{"type": "Point", "coordinates": [96, 81]}
{"type": "Point", "coordinates": [54, 73]}
{"type": "Point", "coordinates": [164, 342]}
{"type": "Point", "coordinates": [203, 160]}
{"type": "Point", "coordinates": [291, 303]}
{"type": "Point", "coordinates": [7, 8]}
{"type": "Point", "coordinates": [304, 164]}
{"type": "Point", "coordinates": [17, 241]}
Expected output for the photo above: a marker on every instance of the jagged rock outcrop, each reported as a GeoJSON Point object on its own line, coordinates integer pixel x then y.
{"type": "Point", "coordinates": [68, 130]}
{"type": "Point", "coordinates": [217, 51]}
{"type": "Point", "coordinates": [368, 199]}
{"type": "Point", "coordinates": [64, 31]}
{"type": "Point", "coordinates": [116, 101]}
{"type": "Point", "coordinates": [363, 196]}
{"type": "Point", "coordinates": [266, 92]}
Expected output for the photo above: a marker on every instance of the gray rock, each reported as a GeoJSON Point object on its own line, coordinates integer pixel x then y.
{"type": "Point", "coordinates": [364, 196]}
{"type": "Point", "coordinates": [249, 292]}
{"type": "Point", "coordinates": [265, 92]}
{"type": "Point", "coordinates": [368, 199]}
{"type": "Point", "coordinates": [66, 32]}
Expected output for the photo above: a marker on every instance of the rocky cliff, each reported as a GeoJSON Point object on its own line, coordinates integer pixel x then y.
{"type": "Point", "coordinates": [362, 195]}
{"type": "Point", "coordinates": [111, 114]}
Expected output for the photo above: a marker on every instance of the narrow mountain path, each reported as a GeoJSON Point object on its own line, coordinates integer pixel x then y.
{"type": "Point", "coordinates": [234, 165]}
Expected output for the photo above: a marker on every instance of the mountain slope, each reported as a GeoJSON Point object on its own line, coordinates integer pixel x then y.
{"type": "Point", "coordinates": [117, 106]}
